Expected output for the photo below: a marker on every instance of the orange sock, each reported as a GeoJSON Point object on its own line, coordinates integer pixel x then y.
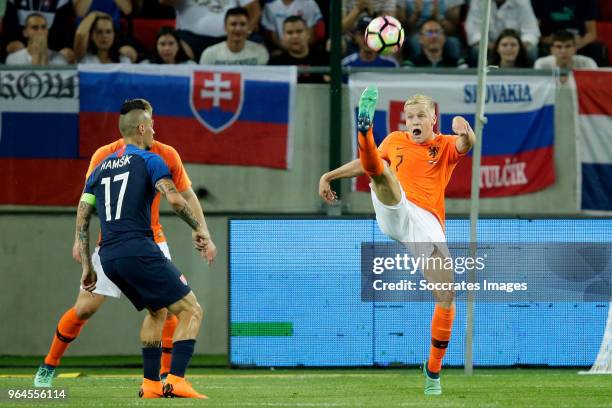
{"type": "Point", "coordinates": [167, 334]}
{"type": "Point", "coordinates": [67, 330]}
{"type": "Point", "coordinates": [368, 154]}
{"type": "Point", "coordinates": [441, 327]}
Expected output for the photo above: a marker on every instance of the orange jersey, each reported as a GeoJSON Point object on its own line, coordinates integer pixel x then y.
{"type": "Point", "coordinates": [423, 170]}
{"type": "Point", "coordinates": [173, 161]}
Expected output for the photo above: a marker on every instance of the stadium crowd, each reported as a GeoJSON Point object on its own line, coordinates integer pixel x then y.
{"type": "Point", "coordinates": [539, 34]}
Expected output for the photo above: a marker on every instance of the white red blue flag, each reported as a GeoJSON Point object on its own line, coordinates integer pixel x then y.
{"type": "Point", "coordinates": [39, 143]}
{"type": "Point", "coordinates": [594, 138]}
{"type": "Point", "coordinates": [53, 121]}
{"type": "Point", "coordinates": [518, 139]}
{"type": "Point", "coordinates": [232, 115]}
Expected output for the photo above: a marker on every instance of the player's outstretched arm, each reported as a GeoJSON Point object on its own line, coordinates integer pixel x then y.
{"type": "Point", "coordinates": [467, 138]}
{"type": "Point", "coordinates": [84, 212]}
{"type": "Point", "coordinates": [350, 169]}
{"type": "Point", "coordinates": [201, 238]}
{"type": "Point", "coordinates": [194, 203]}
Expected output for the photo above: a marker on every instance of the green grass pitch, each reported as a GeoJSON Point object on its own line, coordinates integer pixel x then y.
{"type": "Point", "coordinates": [118, 387]}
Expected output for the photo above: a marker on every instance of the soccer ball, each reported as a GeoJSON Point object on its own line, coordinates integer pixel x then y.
{"type": "Point", "coordinates": [384, 35]}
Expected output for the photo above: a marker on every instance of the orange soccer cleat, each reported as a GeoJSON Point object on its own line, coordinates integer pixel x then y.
{"type": "Point", "coordinates": [180, 388]}
{"type": "Point", "coordinates": [151, 389]}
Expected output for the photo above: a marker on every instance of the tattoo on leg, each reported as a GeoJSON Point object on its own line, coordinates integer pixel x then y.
{"type": "Point", "coordinates": [151, 344]}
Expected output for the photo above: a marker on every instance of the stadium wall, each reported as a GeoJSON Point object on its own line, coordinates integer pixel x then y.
{"type": "Point", "coordinates": [40, 278]}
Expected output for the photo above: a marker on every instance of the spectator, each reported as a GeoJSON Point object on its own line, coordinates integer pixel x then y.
{"type": "Point", "coordinates": [113, 8]}
{"type": "Point", "coordinates": [509, 51]}
{"type": "Point", "coordinates": [433, 53]}
{"type": "Point", "coordinates": [297, 50]}
{"type": "Point", "coordinates": [516, 14]}
{"type": "Point", "coordinates": [37, 51]}
{"type": "Point", "coordinates": [96, 42]}
{"type": "Point", "coordinates": [276, 11]}
{"type": "Point", "coordinates": [352, 10]}
{"type": "Point", "coordinates": [365, 57]}
{"type": "Point", "coordinates": [168, 49]}
{"type": "Point", "coordinates": [201, 23]}
{"type": "Point", "coordinates": [563, 50]}
{"type": "Point", "coordinates": [577, 17]}
{"type": "Point", "coordinates": [448, 12]}
{"type": "Point", "coordinates": [59, 15]}
{"type": "Point", "coordinates": [237, 50]}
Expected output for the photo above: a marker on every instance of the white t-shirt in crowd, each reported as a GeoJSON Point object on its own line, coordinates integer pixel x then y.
{"type": "Point", "coordinates": [205, 17]}
{"type": "Point", "coordinates": [516, 14]}
{"type": "Point", "coordinates": [23, 57]}
{"type": "Point", "coordinates": [275, 13]}
{"type": "Point", "coordinates": [93, 59]}
{"type": "Point", "coordinates": [220, 54]}
{"type": "Point", "coordinates": [578, 61]}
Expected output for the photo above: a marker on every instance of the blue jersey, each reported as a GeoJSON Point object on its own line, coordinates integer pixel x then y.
{"type": "Point", "coordinates": [124, 187]}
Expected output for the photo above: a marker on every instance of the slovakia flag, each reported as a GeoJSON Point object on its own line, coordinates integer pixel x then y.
{"type": "Point", "coordinates": [231, 115]}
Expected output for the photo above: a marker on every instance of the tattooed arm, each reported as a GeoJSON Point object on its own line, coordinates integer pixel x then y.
{"type": "Point", "coordinates": [84, 212]}
{"type": "Point", "coordinates": [200, 235]}
{"type": "Point", "coordinates": [178, 203]}
{"type": "Point", "coordinates": [194, 203]}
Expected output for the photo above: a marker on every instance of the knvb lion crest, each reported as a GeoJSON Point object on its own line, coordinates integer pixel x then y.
{"type": "Point", "coordinates": [433, 151]}
{"type": "Point", "coordinates": [216, 98]}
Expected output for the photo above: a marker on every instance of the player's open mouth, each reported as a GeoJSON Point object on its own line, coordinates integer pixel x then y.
{"type": "Point", "coordinates": [416, 132]}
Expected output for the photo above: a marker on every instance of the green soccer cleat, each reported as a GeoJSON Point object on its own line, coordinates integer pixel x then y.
{"type": "Point", "coordinates": [44, 376]}
{"type": "Point", "coordinates": [367, 106]}
{"type": "Point", "coordinates": [432, 385]}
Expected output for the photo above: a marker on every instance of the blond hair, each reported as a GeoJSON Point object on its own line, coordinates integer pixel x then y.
{"type": "Point", "coordinates": [419, 99]}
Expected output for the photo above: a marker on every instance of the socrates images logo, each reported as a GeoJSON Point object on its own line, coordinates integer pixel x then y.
{"type": "Point", "coordinates": [216, 98]}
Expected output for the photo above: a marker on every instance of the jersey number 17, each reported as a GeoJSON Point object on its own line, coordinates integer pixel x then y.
{"type": "Point", "coordinates": [106, 182]}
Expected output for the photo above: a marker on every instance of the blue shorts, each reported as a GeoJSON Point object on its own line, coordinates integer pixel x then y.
{"type": "Point", "coordinates": [148, 281]}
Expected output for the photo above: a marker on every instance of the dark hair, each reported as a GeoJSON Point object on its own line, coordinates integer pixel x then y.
{"type": "Point", "coordinates": [362, 24]}
{"type": "Point", "coordinates": [294, 19]}
{"type": "Point", "coordinates": [521, 61]}
{"type": "Point", "coordinates": [181, 55]}
{"type": "Point", "coordinates": [113, 52]}
{"type": "Point", "coordinates": [133, 104]}
{"type": "Point", "coordinates": [432, 20]}
{"type": "Point", "coordinates": [236, 11]}
{"type": "Point", "coordinates": [35, 14]}
{"type": "Point", "coordinates": [563, 36]}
